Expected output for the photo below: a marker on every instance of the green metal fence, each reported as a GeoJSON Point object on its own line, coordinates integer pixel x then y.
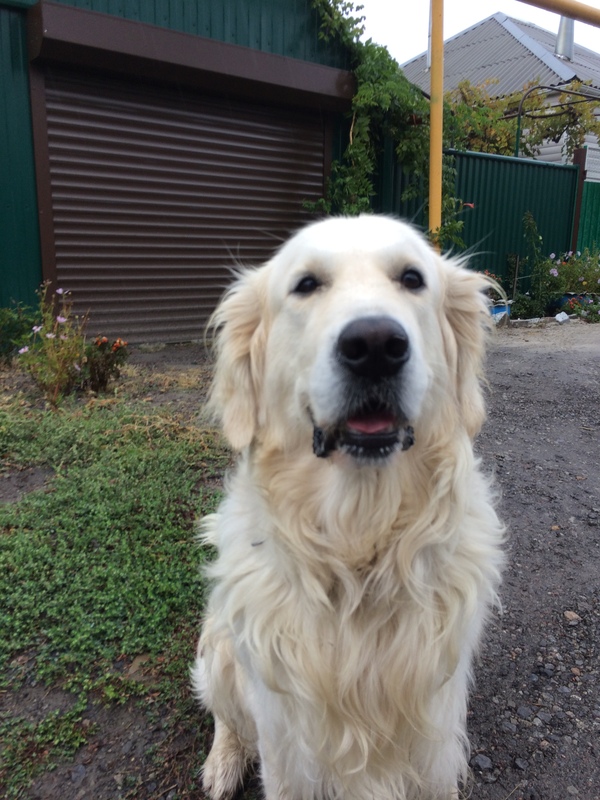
{"type": "Point", "coordinates": [589, 220]}
{"type": "Point", "coordinates": [502, 190]}
{"type": "Point", "coordinates": [497, 191]}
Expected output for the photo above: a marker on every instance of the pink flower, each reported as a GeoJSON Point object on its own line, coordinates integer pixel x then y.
{"type": "Point", "coordinates": [36, 328]}
{"type": "Point", "coordinates": [23, 350]}
{"type": "Point", "coordinates": [554, 272]}
{"type": "Point", "coordinates": [60, 291]}
{"type": "Point", "coordinates": [50, 336]}
{"type": "Point", "coordinates": [61, 319]}
{"type": "Point", "coordinates": [64, 338]}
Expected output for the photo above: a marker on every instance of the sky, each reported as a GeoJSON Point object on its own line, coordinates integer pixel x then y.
{"type": "Point", "coordinates": [402, 26]}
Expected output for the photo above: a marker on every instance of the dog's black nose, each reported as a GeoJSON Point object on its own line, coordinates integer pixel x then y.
{"type": "Point", "coordinates": [373, 347]}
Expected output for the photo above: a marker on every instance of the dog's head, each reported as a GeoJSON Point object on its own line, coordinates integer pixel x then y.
{"type": "Point", "coordinates": [355, 336]}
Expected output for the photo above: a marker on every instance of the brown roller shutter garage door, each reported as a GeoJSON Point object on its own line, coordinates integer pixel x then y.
{"type": "Point", "coordinates": [157, 194]}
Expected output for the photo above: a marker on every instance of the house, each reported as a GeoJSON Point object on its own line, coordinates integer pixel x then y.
{"type": "Point", "coordinates": [514, 53]}
{"type": "Point", "coordinates": [148, 148]}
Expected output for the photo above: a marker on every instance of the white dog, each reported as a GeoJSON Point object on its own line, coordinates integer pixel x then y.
{"type": "Point", "coordinates": [358, 550]}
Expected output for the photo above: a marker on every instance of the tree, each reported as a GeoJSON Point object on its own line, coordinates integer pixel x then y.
{"type": "Point", "coordinates": [479, 121]}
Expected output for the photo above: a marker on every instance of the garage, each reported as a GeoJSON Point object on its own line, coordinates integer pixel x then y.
{"type": "Point", "coordinates": [157, 177]}
{"type": "Point", "coordinates": [158, 194]}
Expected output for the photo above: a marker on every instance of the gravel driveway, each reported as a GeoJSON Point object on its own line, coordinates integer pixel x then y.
{"type": "Point", "coordinates": [535, 711]}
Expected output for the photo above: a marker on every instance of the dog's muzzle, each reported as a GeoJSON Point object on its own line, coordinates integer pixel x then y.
{"type": "Point", "coordinates": [371, 351]}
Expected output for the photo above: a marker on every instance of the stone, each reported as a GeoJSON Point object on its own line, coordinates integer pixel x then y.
{"type": "Point", "coordinates": [78, 773]}
{"type": "Point", "coordinates": [482, 762]}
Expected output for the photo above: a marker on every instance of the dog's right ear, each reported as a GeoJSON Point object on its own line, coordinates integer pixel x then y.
{"type": "Point", "coordinates": [239, 325]}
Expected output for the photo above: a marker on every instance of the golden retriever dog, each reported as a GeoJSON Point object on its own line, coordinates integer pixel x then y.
{"type": "Point", "coordinates": [358, 549]}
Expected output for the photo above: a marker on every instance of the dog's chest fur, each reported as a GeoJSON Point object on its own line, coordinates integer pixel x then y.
{"type": "Point", "coordinates": [335, 617]}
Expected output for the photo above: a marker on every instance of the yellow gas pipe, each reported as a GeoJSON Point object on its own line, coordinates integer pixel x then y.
{"type": "Point", "coordinates": [436, 115]}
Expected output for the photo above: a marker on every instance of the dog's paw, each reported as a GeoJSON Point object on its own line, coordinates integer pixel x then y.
{"type": "Point", "coordinates": [224, 769]}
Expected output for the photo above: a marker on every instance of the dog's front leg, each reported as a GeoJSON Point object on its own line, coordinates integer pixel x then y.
{"type": "Point", "coordinates": [225, 767]}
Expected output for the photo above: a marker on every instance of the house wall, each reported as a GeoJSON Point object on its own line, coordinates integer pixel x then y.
{"type": "Point", "coordinates": [592, 161]}
{"type": "Point", "coordinates": [285, 27]}
{"type": "Point", "coordinates": [20, 269]}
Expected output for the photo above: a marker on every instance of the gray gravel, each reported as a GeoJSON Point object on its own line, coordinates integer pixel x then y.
{"type": "Point", "coordinates": [535, 711]}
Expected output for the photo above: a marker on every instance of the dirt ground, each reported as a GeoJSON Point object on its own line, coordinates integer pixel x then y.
{"type": "Point", "coordinates": [535, 711]}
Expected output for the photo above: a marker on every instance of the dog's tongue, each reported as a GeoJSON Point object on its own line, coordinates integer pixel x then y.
{"type": "Point", "coordinates": [380, 422]}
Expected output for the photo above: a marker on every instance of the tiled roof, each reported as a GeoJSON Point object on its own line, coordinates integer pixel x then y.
{"type": "Point", "coordinates": [508, 51]}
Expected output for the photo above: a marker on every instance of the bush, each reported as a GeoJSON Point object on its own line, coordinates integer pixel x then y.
{"type": "Point", "coordinates": [573, 272]}
{"type": "Point", "coordinates": [526, 307]}
{"type": "Point", "coordinates": [552, 277]}
{"type": "Point", "coordinates": [102, 362]}
{"type": "Point", "coordinates": [56, 354]}
{"type": "Point", "coordinates": [585, 308]}
{"type": "Point", "coordinates": [15, 326]}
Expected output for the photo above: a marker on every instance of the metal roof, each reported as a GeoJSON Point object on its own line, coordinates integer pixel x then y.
{"type": "Point", "coordinates": [511, 53]}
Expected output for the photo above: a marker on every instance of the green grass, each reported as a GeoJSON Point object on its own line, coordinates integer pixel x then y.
{"type": "Point", "coordinates": [101, 566]}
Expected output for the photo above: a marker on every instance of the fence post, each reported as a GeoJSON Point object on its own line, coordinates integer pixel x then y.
{"type": "Point", "coordinates": [579, 160]}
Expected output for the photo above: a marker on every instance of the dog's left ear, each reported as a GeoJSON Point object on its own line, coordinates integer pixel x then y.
{"type": "Point", "coordinates": [467, 312]}
{"type": "Point", "coordinates": [239, 324]}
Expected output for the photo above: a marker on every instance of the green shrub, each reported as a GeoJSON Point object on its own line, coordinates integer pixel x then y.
{"type": "Point", "coordinates": [16, 323]}
{"type": "Point", "coordinates": [524, 306]}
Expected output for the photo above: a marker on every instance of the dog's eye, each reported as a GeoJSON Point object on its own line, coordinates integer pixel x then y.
{"type": "Point", "coordinates": [307, 285]}
{"type": "Point", "coordinates": [412, 279]}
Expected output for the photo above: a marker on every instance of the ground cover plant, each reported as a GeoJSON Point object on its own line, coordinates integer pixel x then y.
{"type": "Point", "coordinates": [99, 575]}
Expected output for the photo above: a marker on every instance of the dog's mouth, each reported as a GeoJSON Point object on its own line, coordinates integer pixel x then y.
{"type": "Point", "coordinates": [372, 431]}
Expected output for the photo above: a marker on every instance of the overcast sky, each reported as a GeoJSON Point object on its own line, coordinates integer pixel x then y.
{"type": "Point", "coordinates": [403, 25]}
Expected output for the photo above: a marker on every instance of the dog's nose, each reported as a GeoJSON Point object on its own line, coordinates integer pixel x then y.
{"type": "Point", "coordinates": [373, 347]}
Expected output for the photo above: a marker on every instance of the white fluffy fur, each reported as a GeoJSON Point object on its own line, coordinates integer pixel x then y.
{"type": "Point", "coordinates": [348, 597]}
